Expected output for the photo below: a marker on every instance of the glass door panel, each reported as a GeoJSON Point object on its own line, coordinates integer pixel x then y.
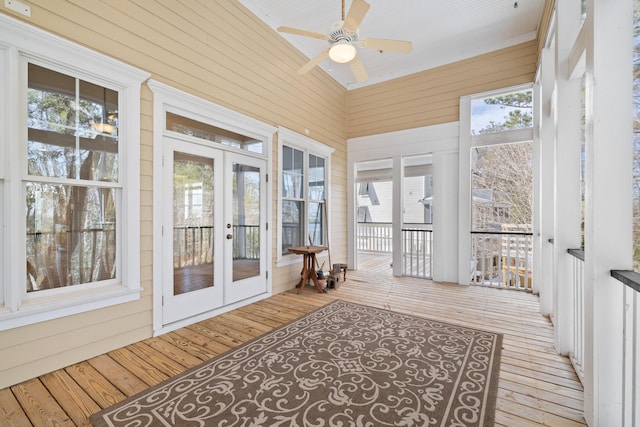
{"type": "Point", "coordinates": [246, 225]}
{"type": "Point", "coordinates": [246, 221]}
{"type": "Point", "coordinates": [193, 201]}
{"type": "Point", "coordinates": [192, 267]}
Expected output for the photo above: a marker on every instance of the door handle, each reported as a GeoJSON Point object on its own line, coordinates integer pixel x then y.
{"type": "Point", "coordinates": [229, 236]}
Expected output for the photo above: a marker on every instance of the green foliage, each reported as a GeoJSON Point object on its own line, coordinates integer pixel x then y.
{"type": "Point", "coordinates": [518, 100]}
{"type": "Point", "coordinates": [515, 119]}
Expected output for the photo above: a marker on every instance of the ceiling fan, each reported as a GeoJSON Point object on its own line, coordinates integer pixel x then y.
{"type": "Point", "coordinates": [343, 38]}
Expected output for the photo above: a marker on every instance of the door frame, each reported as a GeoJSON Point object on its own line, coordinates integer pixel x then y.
{"type": "Point", "coordinates": [167, 98]}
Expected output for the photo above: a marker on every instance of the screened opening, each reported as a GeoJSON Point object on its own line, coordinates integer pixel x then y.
{"type": "Point", "coordinates": [504, 112]}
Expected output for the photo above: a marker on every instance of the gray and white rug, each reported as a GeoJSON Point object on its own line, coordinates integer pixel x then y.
{"type": "Point", "coordinates": [342, 365]}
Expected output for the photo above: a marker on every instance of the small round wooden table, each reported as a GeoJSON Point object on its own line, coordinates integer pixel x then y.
{"type": "Point", "coordinates": [308, 266]}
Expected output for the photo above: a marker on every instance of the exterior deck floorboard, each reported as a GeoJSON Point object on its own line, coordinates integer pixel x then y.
{"type": "Point", "coordinates": [537, 386]}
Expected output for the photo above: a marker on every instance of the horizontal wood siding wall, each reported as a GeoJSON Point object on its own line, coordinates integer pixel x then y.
{"type": "Point", "coordinates": [216, 50]}
{"type": "Point", "coordinates": [433, 96]}
{"type": "Point", "coordinates": [545, 24]}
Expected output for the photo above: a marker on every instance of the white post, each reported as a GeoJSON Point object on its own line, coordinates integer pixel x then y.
{"type": "Point", "coordinates": [608, 210]}
{"type": "Point", "coordinates": [398, 178]}
{"type": "Point", "coordinates": [445, 217]}
{"type": "Point", "coordinates": [352, 225]}
{"type": "Point", "coordinates": [546, 177]}
{"type": "Point", "coordinates": [567, 172]}
{"type": "Point", "coordinates": [464, 193]}
{"type": "Point", "coordinates": [537, 186]}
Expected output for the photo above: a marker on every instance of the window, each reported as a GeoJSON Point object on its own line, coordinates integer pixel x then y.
{"type": "Point", "coordinates": [69, 187]}
{"type": "Point", "coordinates": [304, 171]}
{"type": "Point", "coordinates": [201, 130]}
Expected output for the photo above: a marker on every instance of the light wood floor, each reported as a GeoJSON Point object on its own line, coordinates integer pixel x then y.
{"type": "Point", "coordinates": [537, 386]}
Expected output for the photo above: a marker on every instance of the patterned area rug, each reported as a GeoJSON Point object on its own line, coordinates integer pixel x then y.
{"type": "Point", "coordinates": [342, 365]}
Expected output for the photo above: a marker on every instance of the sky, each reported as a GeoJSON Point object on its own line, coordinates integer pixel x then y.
{"type": "Point", "coordinates": [482, 114]}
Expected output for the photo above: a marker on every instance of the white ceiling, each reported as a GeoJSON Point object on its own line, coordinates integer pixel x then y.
{"type": "Point", "coordinates": [442, 31]}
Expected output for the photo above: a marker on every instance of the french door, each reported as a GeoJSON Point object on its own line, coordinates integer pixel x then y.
{"type": "Point", "coordinates": [213, 229]}
{"type": "Point", "coordinates": [245, 245]}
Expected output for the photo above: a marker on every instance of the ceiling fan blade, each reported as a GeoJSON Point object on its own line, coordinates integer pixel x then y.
{"type": "Point", "coordinates": [305, 33]}
{"type": "Point", "coordinates": [315, 61]}
{"type": "Point", "coordinates": [400, 46]}
{"type": "Point", "coordinates": [358, 69]}
{"type": "Point", "coordinates": [357, 11]}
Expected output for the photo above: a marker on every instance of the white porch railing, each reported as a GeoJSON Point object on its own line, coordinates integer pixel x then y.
{"type": "Point", "coordinates": [194, 245]}
{"type": "Point", "coordinates": [576, 355]}
{"type": "Point", "coordinates": [417, 245]}
{"type": "Point", "coordinates": [417, 250]}
{"type": "Point", "coordinates": [631, 347]}
{"type": "Point", "coordinates": [375, 237]}
{"type": "Point", "coordinates": [502, 259]}
{"type": "Point", "coordinates": [631, 335]}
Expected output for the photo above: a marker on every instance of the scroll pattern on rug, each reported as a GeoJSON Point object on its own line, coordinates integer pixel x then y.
{"type": "Point", "coordinates": [343, 365]}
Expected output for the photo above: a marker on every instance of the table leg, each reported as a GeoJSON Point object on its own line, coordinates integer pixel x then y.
{"type": "Point", "coordinates": [314, 276]}
{"type": "Point", "coordinates": [303, 275]}
{"type": "Point", "coordinates": [308, 272]}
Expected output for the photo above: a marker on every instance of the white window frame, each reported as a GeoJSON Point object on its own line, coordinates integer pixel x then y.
{"type": "Point", "coordinates": [307, 146]}
{"type": "Point", "coordinates": [20, 41]}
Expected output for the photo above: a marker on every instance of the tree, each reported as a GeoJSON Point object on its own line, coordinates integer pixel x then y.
{"type": "Point", "coordinates": [507, 169]}
{"type": "Point", "coordinates": [515, 119]}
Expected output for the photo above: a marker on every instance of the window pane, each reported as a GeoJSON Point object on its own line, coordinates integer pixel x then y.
{"type": "Point", "coordinates": [502, 187]}
{"type": "Point", "coordinates": [99, 152]}
{"type": "Point", "coordinates": [292, 222]}
{"type": "Point", "coordinates": [246, 221]}
{"type": "Point", "coordinates": [72, 127]}
{"type": "Point", "coordinates": [316, 177]}
{"type": "Point", "coordinates": [193, 233]}
{"type": "Point", "coordinates": [71, 235]}
{"type": "Point", "coordinates": [316, 223]}
{"type": "Point", "coordinates": [187, 126]}
{"type": "Point", "coordinates": [292, 173]}
{"type": "Point", "coordinates": [499, 113]}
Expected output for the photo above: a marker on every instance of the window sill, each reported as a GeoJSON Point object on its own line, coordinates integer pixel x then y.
{"type": "Point", "coordinates": [289, 259]}
{"type": "Point", "coordinates": [41, 310]}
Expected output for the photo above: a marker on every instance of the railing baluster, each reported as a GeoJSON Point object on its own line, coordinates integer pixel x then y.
{"type": "Point", "coordinates": [630, 280]}
{"type": "Point", "coordinates": [502, 259]}
{"type": "Point", "coordinates": [576, 355]}
{"type": "Point", "coordinates": [416, 245]}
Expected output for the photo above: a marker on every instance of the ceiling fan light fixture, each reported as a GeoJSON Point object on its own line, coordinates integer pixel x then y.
{"type": "Point", "coordinates": [342, 51]}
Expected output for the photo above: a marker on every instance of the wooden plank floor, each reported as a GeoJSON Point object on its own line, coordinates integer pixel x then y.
{"type": "Point", "coordinates": [537, 386]}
